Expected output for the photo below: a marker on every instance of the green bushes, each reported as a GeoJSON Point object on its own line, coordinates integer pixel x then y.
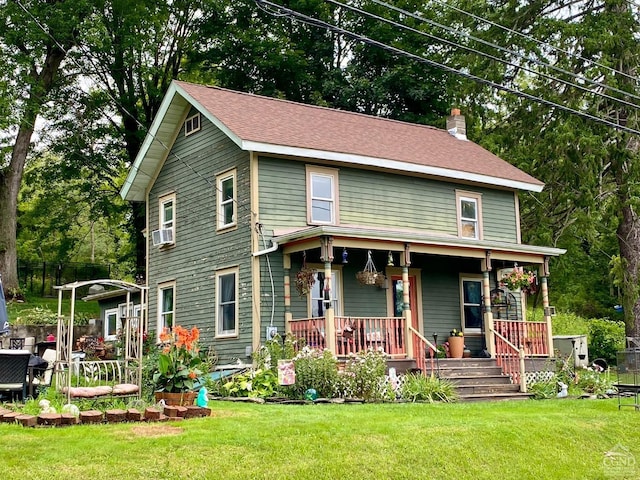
{"type": "Point", "coordinates": [605, 337]}
{"type": "Point", "coordinates": [363, 377]}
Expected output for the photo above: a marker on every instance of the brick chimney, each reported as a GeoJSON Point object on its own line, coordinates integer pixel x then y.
{"type": "Point", "coordinates": [456, 124]}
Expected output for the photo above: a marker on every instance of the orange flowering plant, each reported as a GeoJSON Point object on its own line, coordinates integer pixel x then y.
{"type": "Point", "coordinates": [180, 360]}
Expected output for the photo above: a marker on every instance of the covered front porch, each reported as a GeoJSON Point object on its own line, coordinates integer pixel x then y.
{"type": "Point", "coordinates": [425, 289]}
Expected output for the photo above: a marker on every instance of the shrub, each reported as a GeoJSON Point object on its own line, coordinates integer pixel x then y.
{"type": "Point", "coordinates": [416, 387]}
{"type": "Point", "coordinates": [259, 383]}
{"type": "Point", "coordinates": [606, 338]}
{"type": "Point", "coordinates": [37, 316]}
{"type": "Point", "coordinates": [595, 383]}
{"type": "Point", "coordinates": [544, 389]}
{"type": "Point", "coordinates": [317, 369]}
{"type": "Point", "coordinates": [364, 376]}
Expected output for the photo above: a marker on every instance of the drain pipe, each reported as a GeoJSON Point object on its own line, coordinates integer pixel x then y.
{"type": "Point", "coordinates": [274, 246]}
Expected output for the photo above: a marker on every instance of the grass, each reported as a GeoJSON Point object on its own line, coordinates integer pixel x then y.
{"type": "Point", "coordinates": [86, 309]}
{"type": "Point", "coordinates": [550, 439]}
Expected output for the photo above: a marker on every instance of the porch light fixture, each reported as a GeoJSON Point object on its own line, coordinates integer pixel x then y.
{"type": "Point", "coordinates": [390, 259]}
{"type": "Point", "coordinates": [345, 254]}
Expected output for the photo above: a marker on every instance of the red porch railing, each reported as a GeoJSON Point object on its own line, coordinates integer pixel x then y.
{"type": "Point", "coordinates": [311, 330]}
{"type": "Point", "coordinates": [511, 360]}
{"type": "Point", "coordinates": [354, 334]}
{"type": "Point", "coordinates": [532, 336]}
{"type": "Point", "coordinates": [423, 351]}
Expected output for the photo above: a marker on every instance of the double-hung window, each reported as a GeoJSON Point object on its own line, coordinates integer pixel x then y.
{"type": "Point", "coordinates": [166, 306]}
{"type": "Point", "coordinates": [167, 212]}
{"type": "Point", "coordinates": [227, 210]}
{"type": "Point", "coordinates": [469, 207]}
{"type": "Point", "coordinates": [471, 303]}
{"type": "Point", "coordinates": [227, 303]}
{"type": "Point", "coordinates": [322, 195]}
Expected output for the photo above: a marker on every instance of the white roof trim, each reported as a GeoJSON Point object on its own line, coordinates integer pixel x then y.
{"type": "Point", "coordinates": [390, 164]}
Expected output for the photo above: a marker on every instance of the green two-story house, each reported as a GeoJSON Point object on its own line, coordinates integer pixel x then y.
{"type": "Point", "coordinates": [348, 230]}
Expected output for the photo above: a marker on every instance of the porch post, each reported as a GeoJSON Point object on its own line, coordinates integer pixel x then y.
{"type": "Point", "coordinates": [287, 292]}
{"type": "Point", "coordinates": [489, 336]}
{"type": "Point", "coordinates": [406, 301]}
{"type": "Point", "coordinates": [544, 287]}
{"type": "Point", "coordinates": [330, 325]}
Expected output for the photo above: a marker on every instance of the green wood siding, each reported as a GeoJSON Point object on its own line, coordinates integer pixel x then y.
{"type": "Point", "coordinates": [190, 171]}
{"type": "Point", "coordinates": [377, 199]}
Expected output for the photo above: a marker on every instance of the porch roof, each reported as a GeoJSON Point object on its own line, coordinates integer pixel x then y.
{"type": "Point", "coordinates": [297, 239]}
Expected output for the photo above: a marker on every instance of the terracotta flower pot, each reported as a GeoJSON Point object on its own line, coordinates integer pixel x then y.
{"type": "Point", "coordinates": [456, 347]}
{"type": "Point", "coordinates": [176, 398]}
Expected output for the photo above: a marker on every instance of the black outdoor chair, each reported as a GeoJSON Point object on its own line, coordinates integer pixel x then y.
{"type": "Point", "coordinates": [13, 373]}
{"type": "Point", "coordinates": [16, 343]}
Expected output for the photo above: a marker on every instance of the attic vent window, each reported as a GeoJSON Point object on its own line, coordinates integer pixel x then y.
{"type": "Point", "coordinates": [192, 124]}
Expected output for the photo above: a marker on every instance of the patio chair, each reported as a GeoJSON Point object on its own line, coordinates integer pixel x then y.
{"type": "Point", "coordinates": [16, 343]}
{"type": "Point", "coordinates": [43, 378]}
{"type": "Point", "coordinates": [13, 373]}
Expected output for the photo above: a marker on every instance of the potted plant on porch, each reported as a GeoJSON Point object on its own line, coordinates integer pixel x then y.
{"type": "Point", "coordinates": [456, 343]}
{"type": "Point", "coordinates": [179, 365]}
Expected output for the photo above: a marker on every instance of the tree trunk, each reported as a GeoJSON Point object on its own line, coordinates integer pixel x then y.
{"type": "Point", "coordinates": [629, 244]}
{"type": "Point", "coordinates": [11, 177]}
{"type": "Point", "coordinates": [10, 180]}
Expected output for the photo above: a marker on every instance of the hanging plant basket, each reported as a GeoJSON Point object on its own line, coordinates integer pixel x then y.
{"type": "Point", "coordinates": [305, 280]}
{"type": "Point", "coordinates": [368, 275]}
{"type": "Point", "coordinates": [380, 280]}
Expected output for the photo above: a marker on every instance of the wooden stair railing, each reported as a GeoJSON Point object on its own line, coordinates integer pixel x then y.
{"type": "Point", "coordinates": [422, 346]}
{"type": "Point", "coordinates": [511, 360]}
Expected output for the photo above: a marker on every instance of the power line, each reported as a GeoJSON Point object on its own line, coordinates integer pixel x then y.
{"type": "Point", "coordinates": [539, 42]}
{"type": "Point", "coordinates": [369, 41]}
{"type": "Point", "coordinates": [486, 55]}
{"type": "Point", "coordinates": [511, 52]}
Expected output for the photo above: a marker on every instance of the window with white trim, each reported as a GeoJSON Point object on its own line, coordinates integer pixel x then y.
{"type": "Point", "coordinates": [167, 213]}
{"type": "Point", "coordinates": [226, 186]}
{"type": "Point", "coordinates": [227, 303]}
{"type": "Point", "coordinates": [110, 324]}
{"type": "Point", "coordinates": [192, 124]}
{"type": "Point", "coordinates": [322, 195]}
{"type": "Point", "coordinates": [471, 304]}
{"type": "Point", "coordinates": [166, 306]}
{"type": "Point", "coordinates": [320, 299]}
{"type": "Point", "coordinates": [469, 208]}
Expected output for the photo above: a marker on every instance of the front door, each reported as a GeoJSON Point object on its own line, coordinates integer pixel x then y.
{"type": "Point", "coordinates": [398, 292]}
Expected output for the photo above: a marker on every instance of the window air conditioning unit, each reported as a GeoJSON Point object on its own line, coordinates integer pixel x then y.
{"type": "Point", "coordinates": [161, 237]}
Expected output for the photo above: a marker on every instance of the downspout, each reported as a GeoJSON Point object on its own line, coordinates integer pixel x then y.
{"type": "Point", "coordinates": [274, 246]}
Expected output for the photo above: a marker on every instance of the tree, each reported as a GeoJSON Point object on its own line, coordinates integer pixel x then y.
{"type": "Point", "coordinates": [33, 47]}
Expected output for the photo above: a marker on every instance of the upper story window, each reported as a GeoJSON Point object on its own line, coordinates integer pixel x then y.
{"type": "Point", "coordinates": [192, 124]}
{"type": "Point", "coordinates": [165, 235]}
{"type": "Point", "coordinates": [322, 195]}
{"type": "Point", "coordinates": [469, 206]}
{"type": "Point", "coordinates": [166, 306]}
{"type": "Point", "coordinates": [227, 303]}
{"type": "Point", "coordinates": [227, 205]}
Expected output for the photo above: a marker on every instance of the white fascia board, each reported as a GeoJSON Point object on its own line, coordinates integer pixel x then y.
{"type": "Point", "coordinates": [389, 164]}
{"type": "Point", "coordinates": [126, 192]}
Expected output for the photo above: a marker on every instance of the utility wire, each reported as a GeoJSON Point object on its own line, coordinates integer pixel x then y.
{"type": "Point", "coordinates": [511, 52]}
{"type": "Point", "coordinates": [369, 41]}
{"type": "Point", "coordinates": [533, 39]}
{"type": "Point", "coordinates": [489, 56]}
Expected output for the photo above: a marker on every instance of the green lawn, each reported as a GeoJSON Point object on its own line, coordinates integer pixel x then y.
{"type": "Point", "coordinates": [88, 309]}
{"type": "Point", "coordinates": [554, 439]}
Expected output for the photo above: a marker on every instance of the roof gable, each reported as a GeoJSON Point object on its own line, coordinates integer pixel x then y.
{"type": "Point", "coordinates": [268, 125]}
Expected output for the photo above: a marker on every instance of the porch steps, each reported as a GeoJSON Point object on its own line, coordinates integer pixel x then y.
{"type": "Point", "coordinates": [478, 379]}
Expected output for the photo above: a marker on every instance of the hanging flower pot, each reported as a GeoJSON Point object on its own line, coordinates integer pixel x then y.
{"type": "Point", "coordinates": [368, 275]}
{"type": "Point", "coordinates": [305, 279]}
